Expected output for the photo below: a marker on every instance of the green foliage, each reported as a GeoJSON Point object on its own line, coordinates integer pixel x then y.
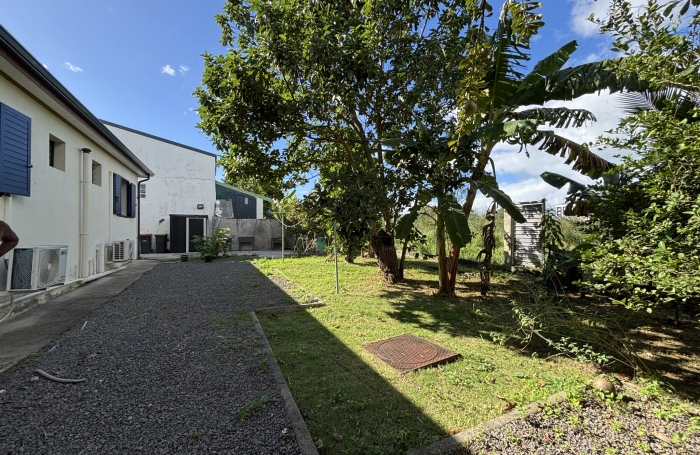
{"type": "Point", "coordinates": [644, 246]}
{"type": "Point", "coordinates": [212, 245]}
{"type": "Point", "coordinates": [252, 407]}
{"type": "Point", "coordinates": [336, 197]}
{"type": "Point", "coordinates": [314, 86]}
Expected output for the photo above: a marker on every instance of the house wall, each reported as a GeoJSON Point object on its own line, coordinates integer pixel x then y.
{"type": "Point", "coordinates": [50, 215]}
{"type": "Point", "coordinates": [183, 178]}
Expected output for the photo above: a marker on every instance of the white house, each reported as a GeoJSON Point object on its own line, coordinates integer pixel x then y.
{"type": "Point", "coordinates": [178, 202]}
{"type": "Point", "coordinates": [65, 179]}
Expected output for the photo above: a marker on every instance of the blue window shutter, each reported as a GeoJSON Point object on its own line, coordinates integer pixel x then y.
{"type": "Point", "coordinates": [132, 200]}
{"type": "Point", "coordinates": [15, 151]}
{"type": "Point", "coordinates": [117, 189]}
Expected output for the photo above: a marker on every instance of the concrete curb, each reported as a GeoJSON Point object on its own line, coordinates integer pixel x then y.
{"type": "Point", "coordinates": [448, 445]}
{"type": "Point", "coordinates": [306, 443]}
{"type": "Point", "coordinates": [290, 308]}
{"type": "Point", "coordinates": [23, 302]}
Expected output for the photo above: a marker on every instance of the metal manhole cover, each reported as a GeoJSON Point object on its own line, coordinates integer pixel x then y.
{"type": "Point", "coordinates": [408, 352]}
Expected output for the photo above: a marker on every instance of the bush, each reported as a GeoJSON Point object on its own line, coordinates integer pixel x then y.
{"type": "Point", "coordinates": [213, 245]}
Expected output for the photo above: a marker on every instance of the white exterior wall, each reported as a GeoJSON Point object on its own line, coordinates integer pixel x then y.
{"type": "Point", "coordinates": [50, 215]}
{"type": "Point", "coordinates": [183, 179]}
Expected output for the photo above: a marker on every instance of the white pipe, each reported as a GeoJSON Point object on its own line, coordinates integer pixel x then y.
{"type": "Point", "coordinates": [100, 258]}
{"type": "Point", "coordinates": [110, 209]}
{"type": "Point", "coordinates": [80, 215]}
{"type": "Point", "coordinates": [86, 181]}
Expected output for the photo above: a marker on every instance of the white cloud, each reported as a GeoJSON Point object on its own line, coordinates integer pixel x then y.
{"type": "Point", "coordinates": [183, 69]}
{"type": "Point", "coordinates": [581, 10]}
{"type": "Point", "coordinates": [519, 176]}
{"type": "Point", "coordinates": [168, 70]}
{"type": "Point", "coordinates": [73, 68]}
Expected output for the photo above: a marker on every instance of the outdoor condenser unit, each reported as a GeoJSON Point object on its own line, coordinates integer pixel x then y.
{"type": "Point", "coordinates": [123, 250]}
{"type": "Point", "coordinates": [37, 267]}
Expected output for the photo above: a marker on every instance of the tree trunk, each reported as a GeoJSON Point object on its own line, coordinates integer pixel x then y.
{"type": "Point", "coordinates": [443, 281]}
{"type": "Point", "coordinates": [452, 264]}
{"type": "Point", "coordinates": [467, 209]}
{"type": "Point", "coordinates": [402, 263]}
{"type": "Point", "coordinates": [383, 245]}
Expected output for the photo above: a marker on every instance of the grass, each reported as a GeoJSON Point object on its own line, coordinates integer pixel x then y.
{"type": "Point", "coordinates": [342, 389]}
{"type": "Point", "coordinates": [252, 407]}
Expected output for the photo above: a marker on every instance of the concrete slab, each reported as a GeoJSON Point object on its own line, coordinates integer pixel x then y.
{"type": "Point", "coordinates": [29, 331]}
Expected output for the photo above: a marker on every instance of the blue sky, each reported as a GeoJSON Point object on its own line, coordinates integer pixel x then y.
{"type": "Point", "coordinates": [137, 62]}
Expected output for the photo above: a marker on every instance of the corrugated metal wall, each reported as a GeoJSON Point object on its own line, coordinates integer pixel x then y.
{"type": "Point", "coordinates": [523, 243]}
{"type": "Point", "coordinates": [243, 205]}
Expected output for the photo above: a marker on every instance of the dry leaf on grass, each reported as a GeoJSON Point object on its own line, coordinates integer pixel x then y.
{"type": "Point", "coordinates": [508, 407]}
{"type": "Point", "coordinates": [663, 437]}
{"type": "Point", "coordinates": [540, 383]}
{"type": "Point", "coordinates": [319, 444]}
{"type": "Point", "coordinates": [338, 437]}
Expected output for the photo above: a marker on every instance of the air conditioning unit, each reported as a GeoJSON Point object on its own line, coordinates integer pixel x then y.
{"type": "Point", "coordinates": [37, 267]}
{"type": "Point", "coordinates": [123, 250]}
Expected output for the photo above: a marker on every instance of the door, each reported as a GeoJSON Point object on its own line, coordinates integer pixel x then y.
{"type": "Point", "coordinates": [196, 227]}
{"type": "Point", "coordinates": [178, 234]}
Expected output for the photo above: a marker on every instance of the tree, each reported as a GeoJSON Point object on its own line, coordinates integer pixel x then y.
{"type": "Point", "coordinates": [644, 247]}
{"type": "Point", "coordinates": [496, 91]}
{"type": "Point", "coordinates": [310, 85]}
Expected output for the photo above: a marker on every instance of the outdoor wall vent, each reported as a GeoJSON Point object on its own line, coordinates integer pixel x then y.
{"type": "Point", "coordinates": [200, 206]}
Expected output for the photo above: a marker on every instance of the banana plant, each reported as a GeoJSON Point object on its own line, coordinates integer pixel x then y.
{"type": "Point", "coordinates": [438, 170]}
{"type": "Point", "coordinates": [502, 103]}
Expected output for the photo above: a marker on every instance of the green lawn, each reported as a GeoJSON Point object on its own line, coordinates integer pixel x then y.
{"type": "Point", "coordinates": [341, 388]}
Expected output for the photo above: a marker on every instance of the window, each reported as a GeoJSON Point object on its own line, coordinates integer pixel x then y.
{"type": "Point", "coordinates": [142, 190]}
{"type": "Point", "coordinates": [57, 153]}
{"type": "Point", "coordinates": [124, 194]}
{"type": "Point", "coordinates": [15, 151]}
{"type": "Point", "coordinates": [246, 201]}
{"type": "Point", "coordinates": [96, 173]}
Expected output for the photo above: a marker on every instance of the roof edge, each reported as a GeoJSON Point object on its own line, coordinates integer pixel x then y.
{"type": "Point", "coordinates": [22, 55]}
{"type": "Point", "coordinates": [249, 193]}
{"type": "Point", "coordinates": [158, 138]}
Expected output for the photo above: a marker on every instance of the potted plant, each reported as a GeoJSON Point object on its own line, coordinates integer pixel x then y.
{"type": "Point", "coordinates": [211, 246]}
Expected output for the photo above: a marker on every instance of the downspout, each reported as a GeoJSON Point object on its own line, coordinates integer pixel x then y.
{"type": "Point", "coordinates": [86, 181]}
{"type": "Point", "coordinates": [138, 216]}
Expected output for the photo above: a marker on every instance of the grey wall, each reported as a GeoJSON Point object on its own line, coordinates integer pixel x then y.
{"type": "Point", "coordinates": [261, 230]}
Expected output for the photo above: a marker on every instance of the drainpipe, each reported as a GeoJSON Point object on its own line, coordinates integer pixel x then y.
{"type": "Point", "coordinates": [138, 216]}
{"type": "Point", "coordinates": [86, 181]}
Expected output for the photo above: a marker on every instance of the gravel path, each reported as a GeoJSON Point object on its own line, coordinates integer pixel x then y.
{"type": "Point", "coordinates": [173, 366]}
{"type": "Point", "coordinates": [620, 427]}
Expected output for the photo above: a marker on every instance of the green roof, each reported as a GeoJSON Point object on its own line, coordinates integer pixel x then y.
{"type": "Point", "coordinates": [235, 188]}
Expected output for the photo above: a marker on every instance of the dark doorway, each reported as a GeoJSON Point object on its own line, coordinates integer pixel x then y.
{"type": "Point", "coordinates": [178, 234]}
{"type": "Point", "coordinates": [196, 228]}
{"type": "Point", "coordinates": [182, 229]}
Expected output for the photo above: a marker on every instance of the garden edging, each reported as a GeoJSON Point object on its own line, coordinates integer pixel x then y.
{"type": "Point", "coordinates": [306, 443]}
{"type": "Point", "coordinates": [448, 445]}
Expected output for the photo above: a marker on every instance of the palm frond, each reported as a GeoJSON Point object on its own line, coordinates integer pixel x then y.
{"type": "Point", "coordinates": [576, 81]}
{"type": "Point", "coordinates": [683, 102]}
{"type": "Point", "coordinates": [556, 117]}
{"type": "Point", "coordinates": [578, 156]}
{"type": "Point", "coordinates": [506, 56]}
{"type": "Point", "coordinates": [550, 64]}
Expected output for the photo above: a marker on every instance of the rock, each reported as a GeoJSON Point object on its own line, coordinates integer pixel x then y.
{"type": "Point", "coordinates": [604, 385]}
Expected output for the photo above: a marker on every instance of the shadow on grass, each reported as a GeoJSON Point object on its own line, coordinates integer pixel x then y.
{"type": "Point", "coordinates": [344, 402]}
{"type": "Point", "coordinates": [651, 342]}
